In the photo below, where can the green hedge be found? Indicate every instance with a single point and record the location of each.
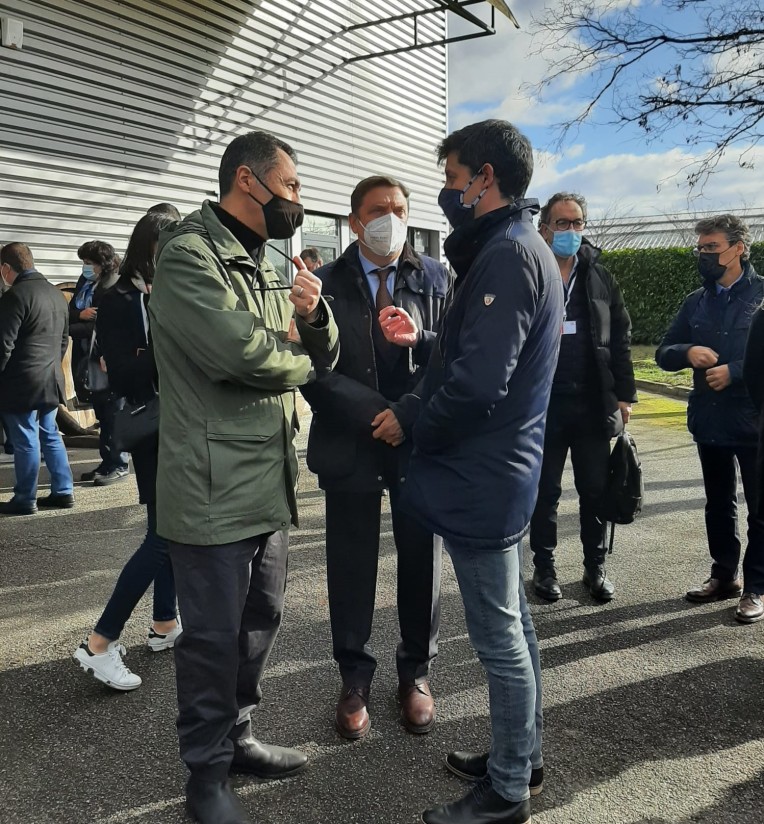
(655, 282)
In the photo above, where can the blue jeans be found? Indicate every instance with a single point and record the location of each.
(501, 631)
(32, 432)
(150, 562)
(105, 406)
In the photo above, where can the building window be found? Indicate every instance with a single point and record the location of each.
(279, 262)
(420, 239)
(323, 233)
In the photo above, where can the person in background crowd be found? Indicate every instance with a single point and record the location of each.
(709, 334)
(592, 393)
(357, 447)
(34, 337)
(232, 342)
(100, 271)
(311, 258)
(124, 340)
(164, 209)
(478, 444)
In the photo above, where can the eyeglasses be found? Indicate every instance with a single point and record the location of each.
(707, 248)
(563, 225)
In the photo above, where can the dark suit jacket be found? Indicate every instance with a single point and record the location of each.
(34, 335)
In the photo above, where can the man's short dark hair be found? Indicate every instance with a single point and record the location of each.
(496, 142)
(166, 209)
(375, 182)
(559, 198)
(310, 253)
(18, 256)
(258, 150)
(729, 225)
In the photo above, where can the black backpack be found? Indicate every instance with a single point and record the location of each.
(625, 488)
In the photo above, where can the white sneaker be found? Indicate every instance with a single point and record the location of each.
(157, 642)
(108, 666)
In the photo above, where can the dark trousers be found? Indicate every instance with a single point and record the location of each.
(231, 598)
(105, 406)
(150, 562)
(352, 554)
(720, 480)
(573, 423)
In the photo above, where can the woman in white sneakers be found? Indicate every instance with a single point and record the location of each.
(125, 342)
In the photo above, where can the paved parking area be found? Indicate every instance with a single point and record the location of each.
(654, 707)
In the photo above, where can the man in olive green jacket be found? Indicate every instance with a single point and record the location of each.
(232, 341)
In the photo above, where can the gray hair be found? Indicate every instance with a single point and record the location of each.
(731, 226)
(558, 198)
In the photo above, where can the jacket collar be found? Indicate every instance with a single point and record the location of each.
(463, 244)
(747, 278)
(227, 246)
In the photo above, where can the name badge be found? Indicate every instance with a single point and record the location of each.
(569, 327)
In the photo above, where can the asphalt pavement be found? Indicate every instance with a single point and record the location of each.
(654, 708)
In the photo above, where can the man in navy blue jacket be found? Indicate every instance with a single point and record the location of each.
(478, 445)
(709, 334)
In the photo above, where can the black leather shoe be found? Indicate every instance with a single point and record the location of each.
(266, 760)
(545, 584)
(473, 766)
(213, 802)
(14, 507)
(599, 587)
(481, 805)
(56, 501)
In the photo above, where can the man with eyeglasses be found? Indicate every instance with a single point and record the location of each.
(592, 394)
(709, 334)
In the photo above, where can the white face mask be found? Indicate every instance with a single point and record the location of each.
(385, 235)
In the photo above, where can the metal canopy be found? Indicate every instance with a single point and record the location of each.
(458, 7)
(302, 67)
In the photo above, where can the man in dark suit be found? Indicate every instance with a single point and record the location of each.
(358, 449)
(34, 334)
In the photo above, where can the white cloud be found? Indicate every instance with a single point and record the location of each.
(652, 183)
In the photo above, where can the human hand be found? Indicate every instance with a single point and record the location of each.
(293, 336)
(719, 377)
(89, 314)
(398, 326)
(701, 357)
(387, 428)
(306, 291)
(625, 408)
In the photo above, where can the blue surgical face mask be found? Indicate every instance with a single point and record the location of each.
(451, 202)
(566, 244)
(88, 272)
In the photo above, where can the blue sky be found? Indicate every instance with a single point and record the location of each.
(617, 169)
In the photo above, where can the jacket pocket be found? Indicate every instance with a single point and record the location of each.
(246, 465)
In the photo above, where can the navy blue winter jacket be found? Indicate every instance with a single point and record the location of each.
(479, 439)
(721, 322)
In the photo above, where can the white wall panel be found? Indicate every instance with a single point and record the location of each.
(112, 106)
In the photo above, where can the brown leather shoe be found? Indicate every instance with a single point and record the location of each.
(712, 589)
(352, 717)
(417, 707)
(750, 609)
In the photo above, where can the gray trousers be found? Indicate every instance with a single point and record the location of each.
(231, 598)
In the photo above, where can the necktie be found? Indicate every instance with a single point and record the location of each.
(384, 298)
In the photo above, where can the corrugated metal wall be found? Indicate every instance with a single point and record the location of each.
(113, 106)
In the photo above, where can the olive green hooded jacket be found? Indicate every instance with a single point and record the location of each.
(227, 465)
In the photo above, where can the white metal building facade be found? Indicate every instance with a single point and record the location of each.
(111, 106)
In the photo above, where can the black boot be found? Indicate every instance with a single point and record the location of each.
(545, 584)
(266, 760)
(474, 767)
(481, 805)
(600, 588)
(213, 802)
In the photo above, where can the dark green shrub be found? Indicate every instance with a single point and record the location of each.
(655, 282)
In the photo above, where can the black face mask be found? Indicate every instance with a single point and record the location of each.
(282, 217)
(709, 268)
